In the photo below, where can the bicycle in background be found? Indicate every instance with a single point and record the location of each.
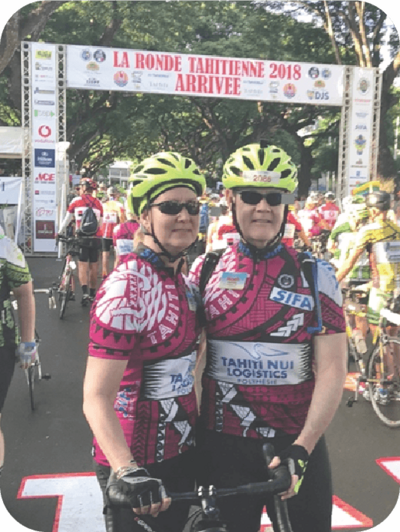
(66, 284)
(381, 373)
(33, 373)
(207, 517)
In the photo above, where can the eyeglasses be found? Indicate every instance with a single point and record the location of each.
(253, 198)
(175, 207)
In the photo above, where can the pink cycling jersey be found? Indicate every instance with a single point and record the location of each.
(259, 378)
(123, 237)
(146, 315)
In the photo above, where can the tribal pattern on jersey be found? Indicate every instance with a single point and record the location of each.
(147, 316)
(258, 380)
(14, 272)
(382, 240)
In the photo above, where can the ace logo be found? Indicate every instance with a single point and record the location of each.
(45, 178)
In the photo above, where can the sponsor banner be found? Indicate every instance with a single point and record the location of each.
(43, 65)
(44, 158)
(44, 139)
(91, 67)
(360, 130)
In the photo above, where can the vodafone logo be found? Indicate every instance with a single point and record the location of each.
(44, 131)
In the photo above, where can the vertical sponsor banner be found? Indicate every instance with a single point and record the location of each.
(360, 134)
(44, 138)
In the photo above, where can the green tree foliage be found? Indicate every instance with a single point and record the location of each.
(103, 126)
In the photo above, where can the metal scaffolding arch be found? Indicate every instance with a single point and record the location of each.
(27, 165)
(61, 137)
(344, 133)
(375, 125)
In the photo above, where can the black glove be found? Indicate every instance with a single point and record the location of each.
(135, 488)
(296, 458)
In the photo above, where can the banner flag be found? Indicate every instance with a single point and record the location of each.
(100, 68)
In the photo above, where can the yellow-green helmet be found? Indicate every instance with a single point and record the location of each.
(161, 172)
(260, 165)
(133, 181)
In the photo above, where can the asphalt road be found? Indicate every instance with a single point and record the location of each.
(48, 484)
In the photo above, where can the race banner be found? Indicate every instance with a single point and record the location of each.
(44, 139)
(116, 69)
(360, 128)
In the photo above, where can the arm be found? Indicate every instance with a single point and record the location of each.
(330, 373)
(101, 385)
(348, 264)
(68, 218)
(304, 238)
(330, 353)
(26, 311)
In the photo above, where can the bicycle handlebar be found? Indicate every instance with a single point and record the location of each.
(279, 482)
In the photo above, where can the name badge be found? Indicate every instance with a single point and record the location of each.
(191, 301)
(233, 280)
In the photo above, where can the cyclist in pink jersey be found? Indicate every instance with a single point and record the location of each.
(139, 397)
(275, 367)
(123, 236)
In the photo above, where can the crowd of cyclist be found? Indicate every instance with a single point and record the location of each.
(212, 334)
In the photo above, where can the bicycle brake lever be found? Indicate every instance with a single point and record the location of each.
(268, 453)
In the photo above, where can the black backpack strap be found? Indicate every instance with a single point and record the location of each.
(210, 263)
(309, 267)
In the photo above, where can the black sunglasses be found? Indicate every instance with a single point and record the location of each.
(174, 207)
(253, 198)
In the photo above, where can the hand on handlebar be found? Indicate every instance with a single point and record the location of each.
(26, 352)
(147, 495)
(295, 457)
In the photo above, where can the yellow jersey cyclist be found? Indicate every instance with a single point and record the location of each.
(381, 240)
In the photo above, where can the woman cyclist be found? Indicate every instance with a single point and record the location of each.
(139, 398)
(268, 375)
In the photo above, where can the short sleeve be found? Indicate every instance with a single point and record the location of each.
(195, 271)
(17, 271)
(330, 298)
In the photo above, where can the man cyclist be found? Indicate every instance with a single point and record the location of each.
(329, 211)
(381, 240)
(114, 214)
(14, 277)
(88, 245)
(276, 362)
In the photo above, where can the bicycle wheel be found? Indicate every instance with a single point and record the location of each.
(384, 383)
(65, 294)
(32, 375)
